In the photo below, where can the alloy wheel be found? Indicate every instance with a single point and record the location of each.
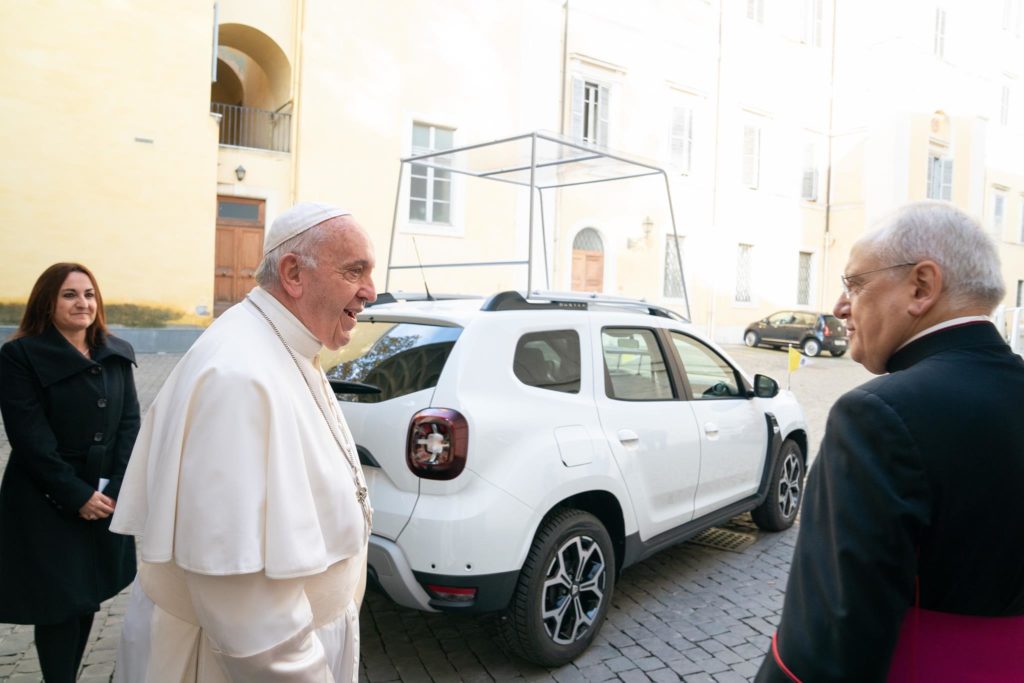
(573, 589)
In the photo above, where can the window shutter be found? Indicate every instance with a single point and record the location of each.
(603, 111)
(577, 109)
(947, 179)
(681, 137)
(751, 152)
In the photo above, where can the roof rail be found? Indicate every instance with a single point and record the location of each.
(514, 301)
(392, 297)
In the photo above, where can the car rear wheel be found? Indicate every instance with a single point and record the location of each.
(751, 338)
(785, 490)
(811, 347)
(564, 590)
(838, 352)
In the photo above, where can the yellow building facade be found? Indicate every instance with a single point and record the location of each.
(156, 141)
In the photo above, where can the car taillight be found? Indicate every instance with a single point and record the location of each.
(437, 445)
(453, 593)
(828, 332)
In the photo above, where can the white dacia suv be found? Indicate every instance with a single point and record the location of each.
(520, 452)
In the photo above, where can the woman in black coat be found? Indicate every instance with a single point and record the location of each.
(70, 411)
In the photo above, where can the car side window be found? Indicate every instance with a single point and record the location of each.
(807, 319)
(549, 360)
(783, 318)
(707, 372)
(634, 366)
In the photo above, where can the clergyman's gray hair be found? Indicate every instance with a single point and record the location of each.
(940, 232)
(305, 245)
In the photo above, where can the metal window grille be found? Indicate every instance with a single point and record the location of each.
(254, 128)
(998, 213)
(673, 286)
(588, 239)
(803, 281)
(744, 258)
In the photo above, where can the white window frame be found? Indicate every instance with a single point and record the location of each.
(939, 185)
(1020, 236)
(999, 197)
(755, 11)
(456, 225)
(591, 110)
(431, 179)
(809, 176)
(680, 138)
(939, 39)
(750, 171)
(813, 22)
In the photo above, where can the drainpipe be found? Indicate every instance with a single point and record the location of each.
(300, 21)
(714, 169)
(828, 165)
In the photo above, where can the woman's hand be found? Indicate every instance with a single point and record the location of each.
(97, 507)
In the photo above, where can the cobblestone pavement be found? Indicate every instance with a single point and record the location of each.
(691, 613)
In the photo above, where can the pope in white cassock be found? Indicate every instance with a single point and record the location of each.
(245, 486)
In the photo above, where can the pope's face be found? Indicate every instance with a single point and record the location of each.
(75, 309)
(875, 310)
(337, 289)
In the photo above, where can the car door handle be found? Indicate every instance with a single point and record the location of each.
(711, 429)
(628, 437)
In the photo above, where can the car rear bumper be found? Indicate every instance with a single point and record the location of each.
(390, 569)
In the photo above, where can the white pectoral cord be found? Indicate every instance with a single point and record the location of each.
(361, 491)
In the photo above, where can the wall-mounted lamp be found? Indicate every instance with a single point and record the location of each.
(647, 225)
(240, 173)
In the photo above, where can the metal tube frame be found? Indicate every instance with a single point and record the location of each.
(591, 154)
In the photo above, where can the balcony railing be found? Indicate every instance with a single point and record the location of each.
(256, 128)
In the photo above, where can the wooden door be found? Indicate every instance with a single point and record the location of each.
(238, 250)
(587, 270)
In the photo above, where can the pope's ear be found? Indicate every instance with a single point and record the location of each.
(288, 270)
(926, 279)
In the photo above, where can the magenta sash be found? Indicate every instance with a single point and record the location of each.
(940, 646)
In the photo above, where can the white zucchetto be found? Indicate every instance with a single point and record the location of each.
(298, 220)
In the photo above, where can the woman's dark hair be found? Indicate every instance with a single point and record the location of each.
(42, 303)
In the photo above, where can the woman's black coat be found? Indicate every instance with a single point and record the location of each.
(70, 421)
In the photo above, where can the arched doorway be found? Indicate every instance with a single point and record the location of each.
(587, 261)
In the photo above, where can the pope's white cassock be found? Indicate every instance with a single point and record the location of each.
(253, 544)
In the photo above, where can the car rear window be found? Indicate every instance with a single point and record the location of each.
(834, 324)
(549, 360)
(397, 358)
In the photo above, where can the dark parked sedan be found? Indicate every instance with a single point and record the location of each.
(811, 332)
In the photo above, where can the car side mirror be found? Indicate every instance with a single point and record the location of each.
(765, 386)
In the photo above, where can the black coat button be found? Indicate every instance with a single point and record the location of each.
(102, 403)
(95, 369)
(98, 436)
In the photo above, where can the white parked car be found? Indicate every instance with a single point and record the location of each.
(521, 453)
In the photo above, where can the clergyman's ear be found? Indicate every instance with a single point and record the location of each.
(926, 278)
(288, 269)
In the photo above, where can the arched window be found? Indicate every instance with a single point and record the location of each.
(587, 261)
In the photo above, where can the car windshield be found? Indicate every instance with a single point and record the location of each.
(397, 358)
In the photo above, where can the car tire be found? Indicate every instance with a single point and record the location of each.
(838, 352)
(811, 347)
(785, 490)
(751, 339)
(564, 590)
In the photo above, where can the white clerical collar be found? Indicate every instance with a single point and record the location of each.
(947, 323)
(294, 332)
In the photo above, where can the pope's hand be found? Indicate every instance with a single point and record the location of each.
(97, 507)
